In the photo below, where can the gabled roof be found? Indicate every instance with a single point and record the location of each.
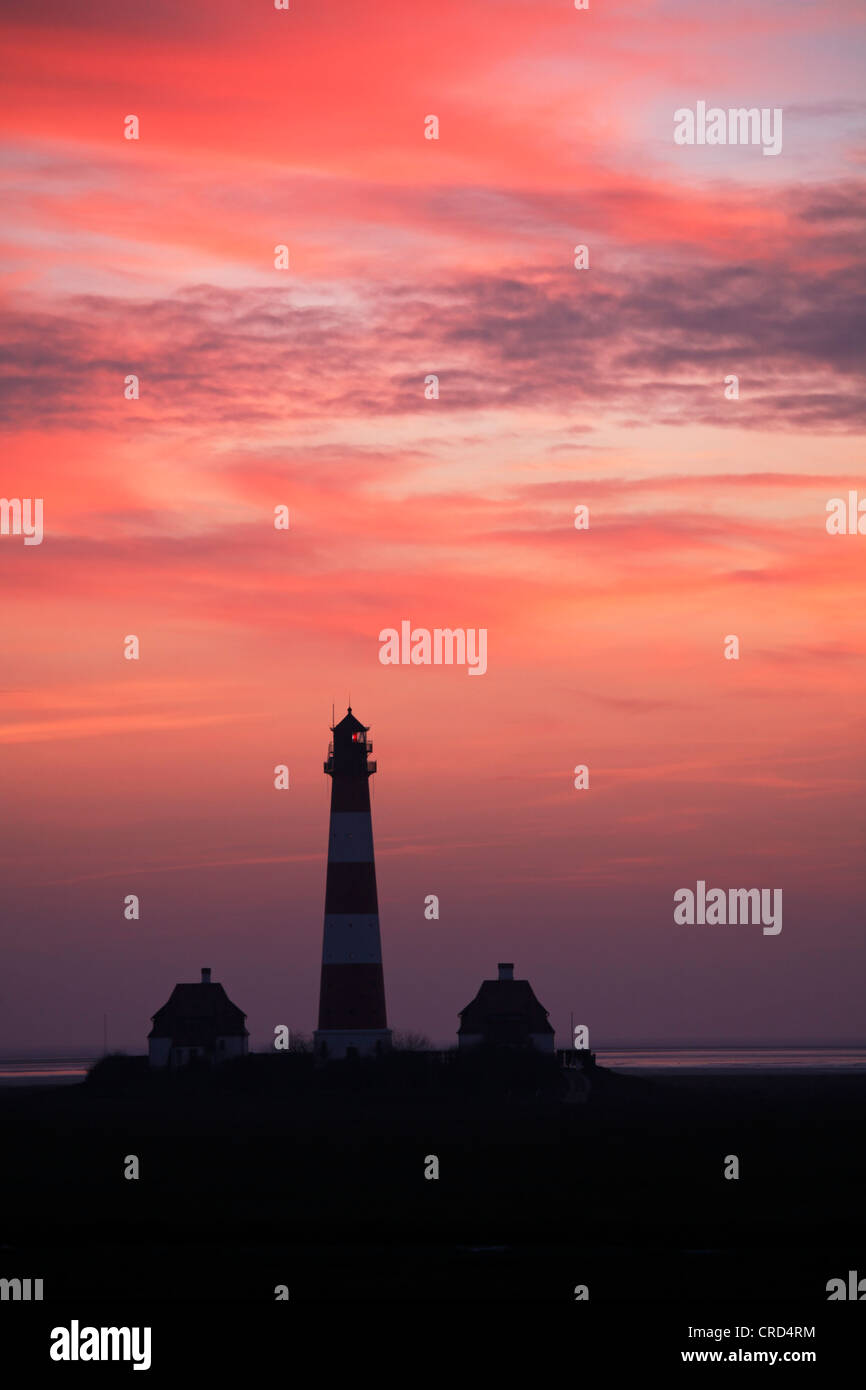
(196, 1015)
(504, 1002)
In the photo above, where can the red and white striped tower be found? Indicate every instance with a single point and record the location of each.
(352, 996)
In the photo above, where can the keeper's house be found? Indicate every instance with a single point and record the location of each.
(199, 1022)
(505, 1013)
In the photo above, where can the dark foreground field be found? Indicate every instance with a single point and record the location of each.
(275, 1174)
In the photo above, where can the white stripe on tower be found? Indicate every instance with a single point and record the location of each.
(351, 838)
(350, 937)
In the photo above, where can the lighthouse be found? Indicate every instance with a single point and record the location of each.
(352, 994)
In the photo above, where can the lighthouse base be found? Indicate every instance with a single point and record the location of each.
(336, 1043)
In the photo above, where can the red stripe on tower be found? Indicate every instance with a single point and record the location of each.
(352, 995)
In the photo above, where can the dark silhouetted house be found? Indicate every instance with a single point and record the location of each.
(505, 1013)
(198, 1022)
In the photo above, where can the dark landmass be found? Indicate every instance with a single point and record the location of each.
(271, 1170)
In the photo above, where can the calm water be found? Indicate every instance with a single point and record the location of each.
(67, 1071)
(734, 1059)
(46, 1070)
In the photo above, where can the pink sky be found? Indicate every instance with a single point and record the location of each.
(558, 387)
